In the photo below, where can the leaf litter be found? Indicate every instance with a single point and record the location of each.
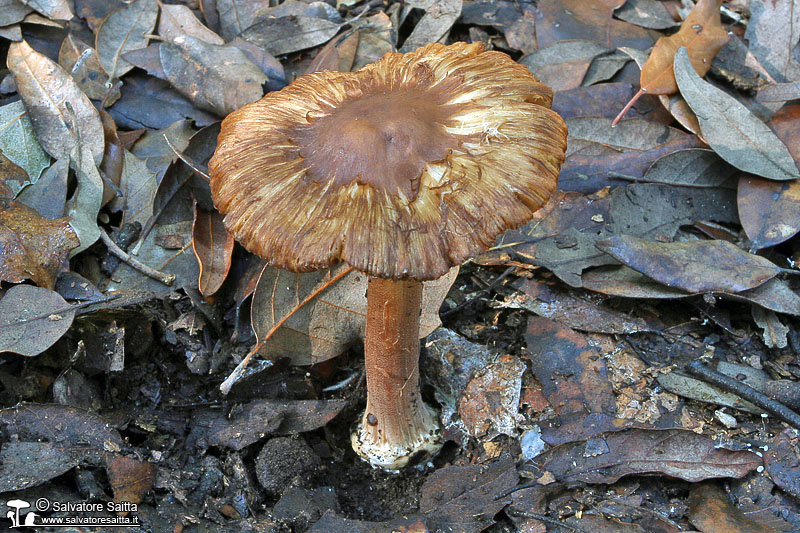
(561, 351)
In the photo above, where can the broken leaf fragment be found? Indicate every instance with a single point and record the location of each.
(31, 246)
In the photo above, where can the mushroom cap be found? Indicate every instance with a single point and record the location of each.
(402, 169)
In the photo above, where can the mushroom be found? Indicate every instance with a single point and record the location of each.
(401, 169)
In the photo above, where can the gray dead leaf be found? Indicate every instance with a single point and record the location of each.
(490, 402)
(32, 319)
(285, 35)
(594, 135)
(693, 266)
(124, 30)
(12, 11)
(49, 194)
(773, 33)
(604, 67)
(773, 330)
(331, 322)
(695, 166)
(61, 115)
(779, 92)
(19, 145)
(235, 16)
(86, 201)
(54, 9)
(689, 387)
(180, 20)
(219, 79)
(28, 464)
(625, 282)
(563, 65)
(81, 61)
(138, 185)
(434, 25)
(731, 129)
(646, 13)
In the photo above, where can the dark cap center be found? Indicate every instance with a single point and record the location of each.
(381, 139)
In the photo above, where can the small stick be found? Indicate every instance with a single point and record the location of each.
(773, 407)
(234, 376)
(627, 108)
(166, 279)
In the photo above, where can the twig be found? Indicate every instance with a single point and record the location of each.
(773, 407)
(480, 293)
(189, 162)
(234, 376)
(546, 520)
(166, 279)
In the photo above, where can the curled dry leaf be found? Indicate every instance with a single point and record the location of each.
(693, 266)
(737, 135)
(213, 246)
(31, 246)
(125, 29)
(769, 210)
(32, 319)
(61, 114)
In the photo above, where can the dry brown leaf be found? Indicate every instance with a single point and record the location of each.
(213, 246)
(769, 210)
(130, 478)
(31, 246)
(711, 511)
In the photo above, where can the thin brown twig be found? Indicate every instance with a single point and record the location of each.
(166, 279)
(234, 376)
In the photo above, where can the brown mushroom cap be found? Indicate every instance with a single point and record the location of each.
(401, 169)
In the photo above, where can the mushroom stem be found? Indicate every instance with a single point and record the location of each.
(396, 425)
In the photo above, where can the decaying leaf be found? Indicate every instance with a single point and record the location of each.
(54, 9)
(219, 79)
(773, 33)
(179, 20)
(435, 23)
(82, 62)
(490, 401)
(646, 13)
(769, 210)
(18, 144)
(125, 29)
(327, 326)
(31, 246)
(32, 319)
(701, 34)
(563, 65)
(710, 509)
(213, 246)
(692, 266)
(731, 129)
(773, 330)
(62, 116)
(289, 34)
(675, 453)
(129, 478)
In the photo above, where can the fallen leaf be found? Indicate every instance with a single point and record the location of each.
(434, 25)
(180, 20)
(573, 375)
(600, 100)
(490, 401)
(677, 453)
(49, 194)
(29, 464)
(129, 478)
(625, 282)
(711, 511)
(19, 145)
(138, 185)
(235, 16)
(773, 33)
(702, 35)
(466, 498)
(54, 9)
(646, 13)
(592, 20)
(32, 319)
(692, 266)
(769, 210)
(773, 330)
(219, 79)
(563, 65)
(85, 203)
(731, 129)
(125, 29)
(782, 464)
(62, 116)
(696, 166)
(335, 319)
(339, 54)
(253, 421)
(213, 246)
(331, 523)
(12, 11)
(285, 35)
(81, 61)
(31, 246)
(779, 92)
(604, 67)
(689, 387)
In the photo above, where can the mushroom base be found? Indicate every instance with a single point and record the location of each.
(391, 457)
(397, 425)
